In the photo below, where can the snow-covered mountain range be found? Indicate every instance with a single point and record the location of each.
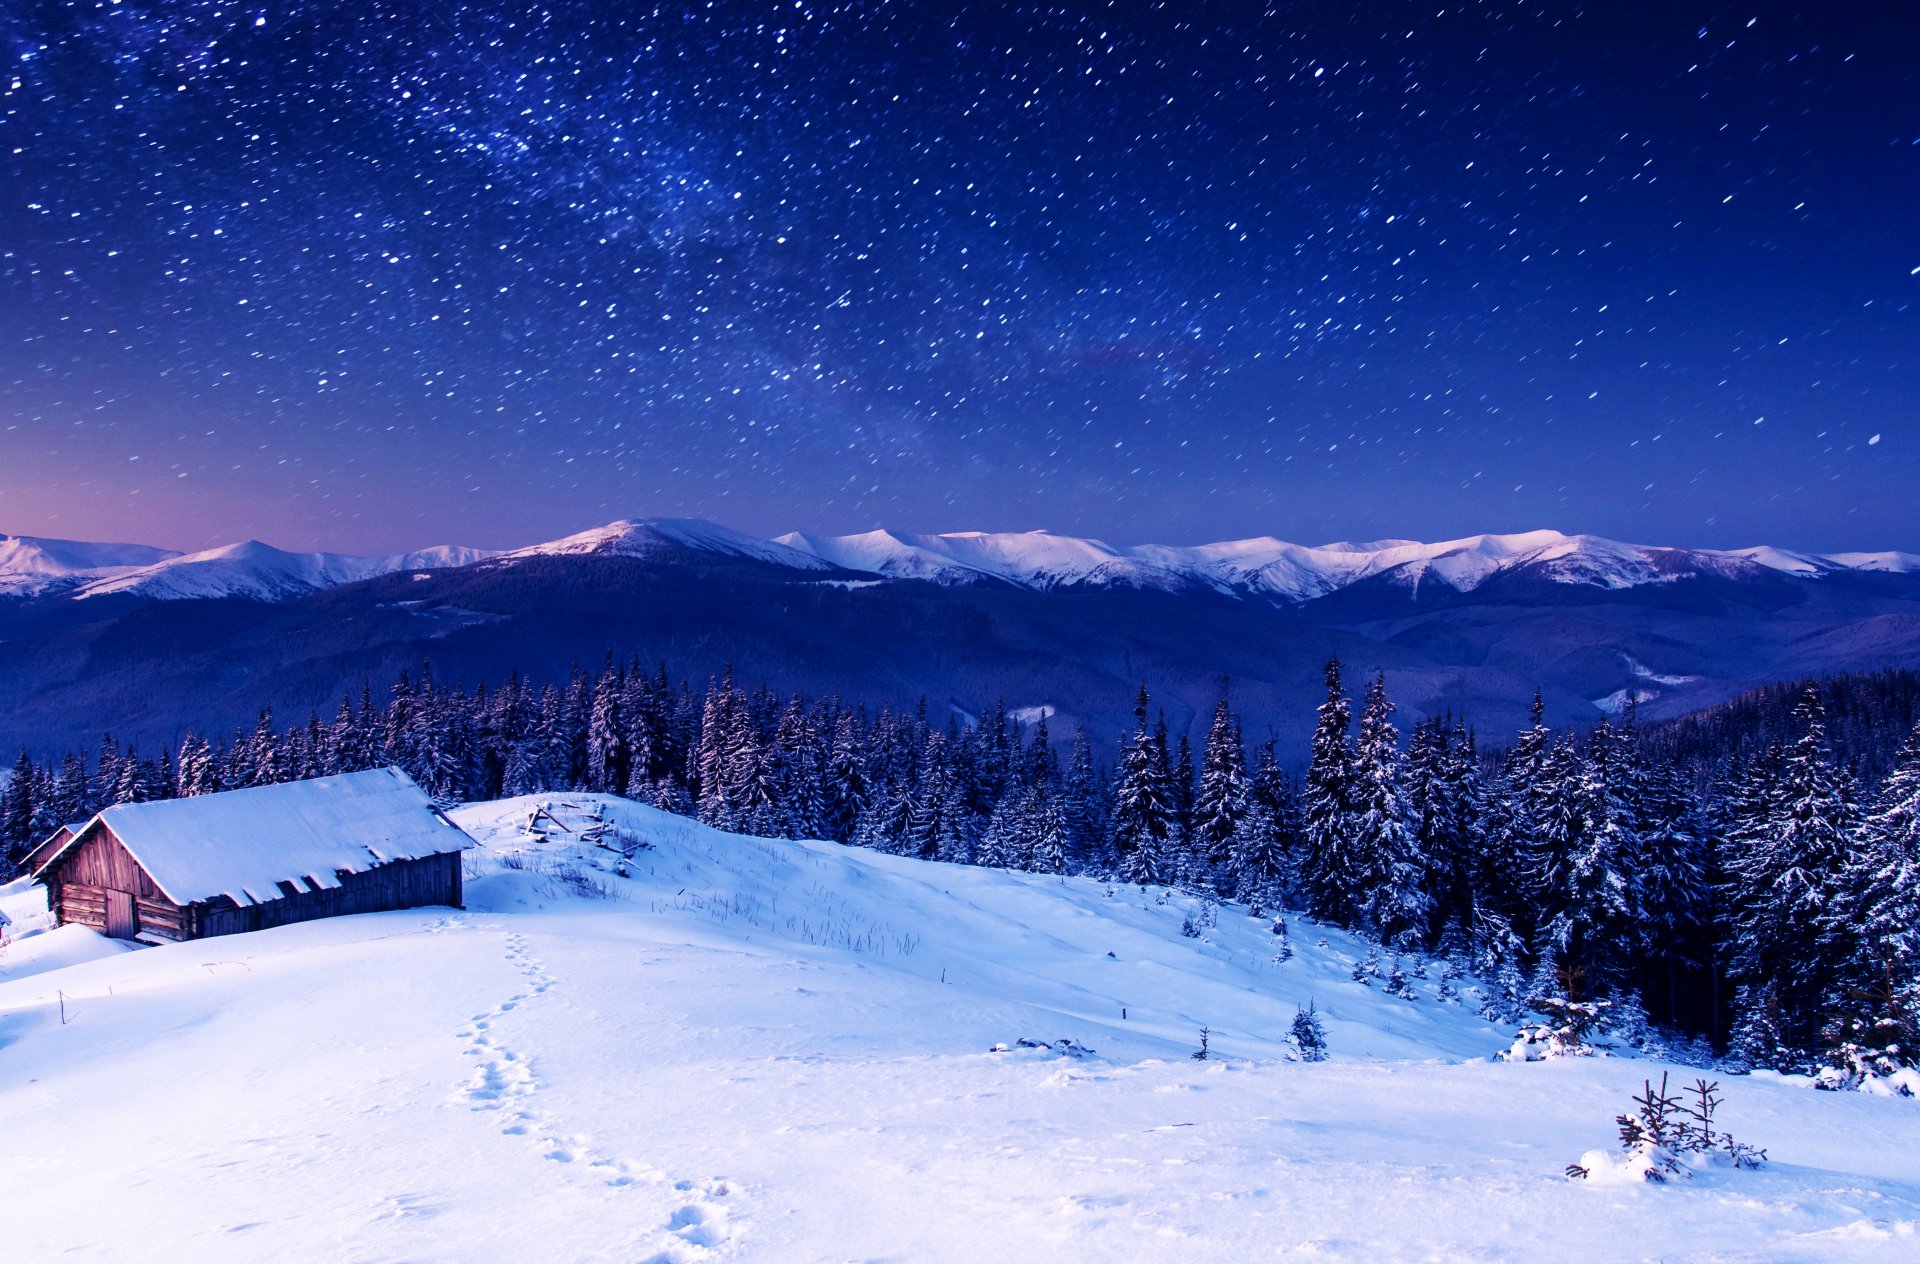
(31, 567)
(1259, 568)
(1277, 569)
(139, 641)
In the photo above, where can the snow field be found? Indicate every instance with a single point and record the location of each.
(756, 1050)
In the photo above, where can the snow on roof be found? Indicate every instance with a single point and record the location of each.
(243, 843)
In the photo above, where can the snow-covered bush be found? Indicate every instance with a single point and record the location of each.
(1870, 1057)
(1367, 969)
(1066, 1047)
(1397, 984)
(1566, 1031)
(1664, 1136)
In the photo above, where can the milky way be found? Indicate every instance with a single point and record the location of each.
(370, 275)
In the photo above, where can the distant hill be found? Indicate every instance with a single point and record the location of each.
(1868, 716)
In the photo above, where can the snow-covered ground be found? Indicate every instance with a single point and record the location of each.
(756, 1050)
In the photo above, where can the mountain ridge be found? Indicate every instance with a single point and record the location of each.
(1259, 567)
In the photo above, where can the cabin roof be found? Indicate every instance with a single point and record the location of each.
(244, 843)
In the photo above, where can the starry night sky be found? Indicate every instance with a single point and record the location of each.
(369, 276)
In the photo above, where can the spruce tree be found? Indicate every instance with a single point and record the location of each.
(1874, 931)
(1387, 870)
(1221, 799)
(17, 803)
(1787, 881)
(1143, 807)
(1327, 871)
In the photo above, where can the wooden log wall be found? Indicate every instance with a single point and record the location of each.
(87, 906)
(77, 887)
(402, 884)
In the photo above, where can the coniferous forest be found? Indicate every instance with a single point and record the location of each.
(1731, 876)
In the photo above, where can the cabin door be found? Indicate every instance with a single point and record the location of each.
(122, 922)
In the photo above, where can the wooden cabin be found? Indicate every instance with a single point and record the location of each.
(218, 864)
(44, 849)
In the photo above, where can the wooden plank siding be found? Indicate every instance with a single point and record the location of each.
(402, 884)
(44, 852)
(101, 861)
(77, 887)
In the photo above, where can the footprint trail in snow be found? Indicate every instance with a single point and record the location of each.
(504, 1081)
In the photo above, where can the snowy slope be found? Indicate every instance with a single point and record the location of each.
(261, 572)
(773, 1051)
(30, 565)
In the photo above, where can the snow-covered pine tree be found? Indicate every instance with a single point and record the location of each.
(1759, 1039)
(607, 753)
(1875, 932)
(1883, 882)
(106, 773)
(1458, 832)
(1051, 849)
(1308, 1035)
(17, 803)
(1082, 808)
(1423, 781)
(1257, 863)
(69, 802)
(1007, 842)
(1142, 808)
(136, 784)
(1181, 784)
(1787, 880)
(640, 711)
(196, 771)
(1503, 868)
(1601, 897)
(1042, 769)
(799, 798)
(45, 786)
(846, 788)
(1221, 798)
(1326, 869)
(1388, 871)
(1673, 883)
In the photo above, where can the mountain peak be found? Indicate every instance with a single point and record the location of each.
(653, 537)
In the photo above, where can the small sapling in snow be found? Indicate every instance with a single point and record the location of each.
(1308, 1037)
(1666, 1136)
